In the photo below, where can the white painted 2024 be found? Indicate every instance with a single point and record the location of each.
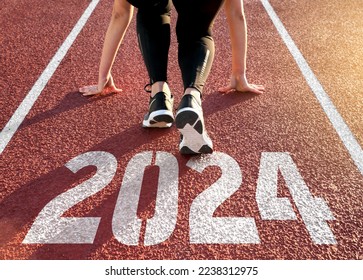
(51, 228)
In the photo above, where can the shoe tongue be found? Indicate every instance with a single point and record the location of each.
(160, 93)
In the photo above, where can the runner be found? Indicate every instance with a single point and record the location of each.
(195, 55)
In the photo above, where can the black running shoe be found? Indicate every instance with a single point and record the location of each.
(190, 122)
(160, 111)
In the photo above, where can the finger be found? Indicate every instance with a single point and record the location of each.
(117, 90)
(82, 89)
(88, 88)
(111, 90)
(91, 92)
(260, 87)
(226, 89)
(257, 90)
(250, 88)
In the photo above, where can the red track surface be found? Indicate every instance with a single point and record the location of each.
(287, 118)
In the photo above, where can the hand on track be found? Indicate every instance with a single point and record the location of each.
(239, 83)
(106, 88)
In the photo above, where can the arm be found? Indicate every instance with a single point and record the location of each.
(238, 36)
(120, 19)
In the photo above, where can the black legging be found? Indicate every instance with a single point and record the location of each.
(194, 34)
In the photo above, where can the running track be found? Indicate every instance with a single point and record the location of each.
(285, 181)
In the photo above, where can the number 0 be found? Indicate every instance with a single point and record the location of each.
(125, 224)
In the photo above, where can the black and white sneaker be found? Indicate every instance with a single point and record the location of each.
(190, 122)
(160, 111)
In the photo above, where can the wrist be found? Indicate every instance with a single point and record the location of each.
(103, 80)
(239, 73)
(238, 69)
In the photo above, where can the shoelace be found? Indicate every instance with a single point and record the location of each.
(147, 88)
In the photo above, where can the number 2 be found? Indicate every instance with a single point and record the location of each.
(49, 227)
(204, 228)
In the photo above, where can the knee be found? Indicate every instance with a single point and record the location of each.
(121, 11)
(116, 15)
(154, 14)
(188, 35)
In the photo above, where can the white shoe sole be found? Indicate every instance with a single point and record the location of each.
(159, 119)
(195, 138)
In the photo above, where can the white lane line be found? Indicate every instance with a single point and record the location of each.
(335, 118)
(21, 112)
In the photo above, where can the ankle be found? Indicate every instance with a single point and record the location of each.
(195, 93)
(158, 87)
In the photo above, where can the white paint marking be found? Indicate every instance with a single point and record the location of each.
(160, 227)
(18, 117)
(51, 228)
(204, 227)
(126, 225)
(272, 206)
(313, 210)
(335, 118)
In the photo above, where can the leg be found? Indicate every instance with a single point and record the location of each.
(196, 53)
(196, 45)
(153, 29)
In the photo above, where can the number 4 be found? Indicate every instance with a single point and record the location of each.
(313, 211)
